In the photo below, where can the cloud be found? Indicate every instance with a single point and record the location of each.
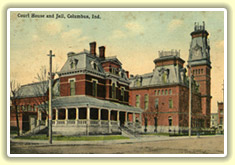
(118, 34)
(71, 34)
(53, 27)
(134, 27)
(174, 24)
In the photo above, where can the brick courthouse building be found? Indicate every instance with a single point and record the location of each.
(95, 95)
(164, 93)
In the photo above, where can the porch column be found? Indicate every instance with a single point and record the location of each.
(39, 117)
(118, 122)
(88, 119)
(66, 115)
(56, 115)
(140, 118)
(109, 114)
(99, 116)
(77, 115)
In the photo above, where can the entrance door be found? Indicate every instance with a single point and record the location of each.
(32, 122)
(122, 118)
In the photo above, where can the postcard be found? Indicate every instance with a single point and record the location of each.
(117, 82)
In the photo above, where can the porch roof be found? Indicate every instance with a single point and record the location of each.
(84, 101)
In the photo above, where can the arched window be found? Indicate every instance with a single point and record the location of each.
(146, 101)
(170, 121)
(170, 92)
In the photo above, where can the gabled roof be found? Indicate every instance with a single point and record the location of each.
(36, 89)
(33, 90)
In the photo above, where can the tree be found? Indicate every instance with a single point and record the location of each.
(41, 90)
(14, 89)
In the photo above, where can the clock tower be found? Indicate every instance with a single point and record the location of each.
(199, 61)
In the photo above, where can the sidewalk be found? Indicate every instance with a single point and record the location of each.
(151, 138)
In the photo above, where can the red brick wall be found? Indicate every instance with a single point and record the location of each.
(169, 62)
(179, 112)
(202, 75)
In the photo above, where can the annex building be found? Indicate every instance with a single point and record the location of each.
(93, 94)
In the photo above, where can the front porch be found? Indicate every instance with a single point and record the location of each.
(86, 120)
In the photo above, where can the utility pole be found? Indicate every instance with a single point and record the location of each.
(223, 90)
(190, 101)
(50, 98)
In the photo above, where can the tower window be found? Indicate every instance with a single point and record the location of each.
(159, 92)
(163, 92)
(155, 92)
(170, 103)
(156, 103)
(170, 92)
(166, 92)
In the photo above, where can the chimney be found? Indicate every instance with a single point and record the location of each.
(102, 51)
(127, 74)
(93, 48)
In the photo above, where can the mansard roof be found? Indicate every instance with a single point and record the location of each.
(84, 101)
(166, 74)
(83, 61)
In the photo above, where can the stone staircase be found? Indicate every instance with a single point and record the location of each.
(128, 132)
(37, 130)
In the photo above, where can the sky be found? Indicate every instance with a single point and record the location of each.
(134, 37)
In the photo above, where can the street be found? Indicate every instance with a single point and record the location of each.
(194, 145)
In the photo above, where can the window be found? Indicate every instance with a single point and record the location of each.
(166, 92)
(156, 103)
(22, 108)
(146, 101)
(163, 92)
(221, 111)
(198, 71)
(170, 121)
(122, 93)
(159, 92)
(29, 108)
(34, 108)
(170, 103)
(221, 121)
(155, 92)
(72, 65)
(94, 88)
(72, 87)
(137, 100)
(201, 71)
(113, 91)
(170, 92)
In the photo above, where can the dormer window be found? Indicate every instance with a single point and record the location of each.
(73, 63)
(94, 65)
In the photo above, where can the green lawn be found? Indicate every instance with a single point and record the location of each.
(74, 138)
